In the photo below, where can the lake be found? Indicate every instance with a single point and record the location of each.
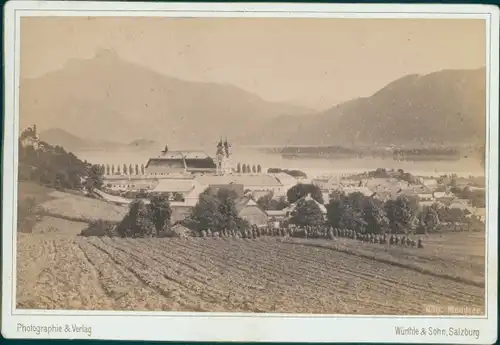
(311, 166)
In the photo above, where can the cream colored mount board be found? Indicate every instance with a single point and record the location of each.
(250, 172)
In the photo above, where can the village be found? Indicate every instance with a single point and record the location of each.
(183, 175)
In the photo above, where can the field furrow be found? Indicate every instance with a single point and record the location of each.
(239, 275)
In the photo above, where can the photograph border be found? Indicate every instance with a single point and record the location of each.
(14, 10)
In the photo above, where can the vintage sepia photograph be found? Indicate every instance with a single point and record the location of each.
(253, 165)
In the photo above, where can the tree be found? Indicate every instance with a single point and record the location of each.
(160, 213)
(138, 221)
(216, 211)
(259, 169)
(124, 169)
(279, 204)
(400, 214)
(300, 190)
(379, 173)
(244, 169)
(265, 201)
(137, 169)
(307, 212)
(352, 212)
(118, 169)
(112, 169)
(238, 168)
(429, 220)
(178, 197)
(205, 215)
(248, 168)
(333, 212)
(227, 208)
(94, 178)
(130, 169)
(254, 169)
(108, 170)
(142, 169)
(375, 216)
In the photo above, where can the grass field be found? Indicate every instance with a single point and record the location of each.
(263, 275)
(457, 256)
(69, 206)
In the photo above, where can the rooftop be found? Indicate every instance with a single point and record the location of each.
(308, 197)
(285, 178)
(244, 179)
(244, 202)
(183, 159)
(172, 186)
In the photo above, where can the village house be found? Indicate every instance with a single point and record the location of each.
(463, 205)
(426, 196)
(253, 182)
(184, 187)
(441, 195)
(128, 183)
(289, 210)
(326, 183)
(250, 211)
(246, 208)
(363, 190)
(430, 183)
(180, 211)
(239, 189)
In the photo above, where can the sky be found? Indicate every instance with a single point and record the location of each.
(315, 63)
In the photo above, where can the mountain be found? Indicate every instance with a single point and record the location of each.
(445, 107)
(106, 97)
(71, 142)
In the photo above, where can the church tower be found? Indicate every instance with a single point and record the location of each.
(223, 157)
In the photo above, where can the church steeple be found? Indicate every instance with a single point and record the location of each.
(223, 153)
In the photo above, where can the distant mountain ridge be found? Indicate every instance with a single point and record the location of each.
(71, 142)
(445, 107)
(109, 98)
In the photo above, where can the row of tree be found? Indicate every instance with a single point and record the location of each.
(111, 169)
(246, 169)
(215, 210)
(364, 214)
(361, 213)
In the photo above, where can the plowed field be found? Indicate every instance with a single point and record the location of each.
(195, 274)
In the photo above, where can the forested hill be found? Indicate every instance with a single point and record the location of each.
(54, 167)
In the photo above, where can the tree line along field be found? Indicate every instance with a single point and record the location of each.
(238, 275)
